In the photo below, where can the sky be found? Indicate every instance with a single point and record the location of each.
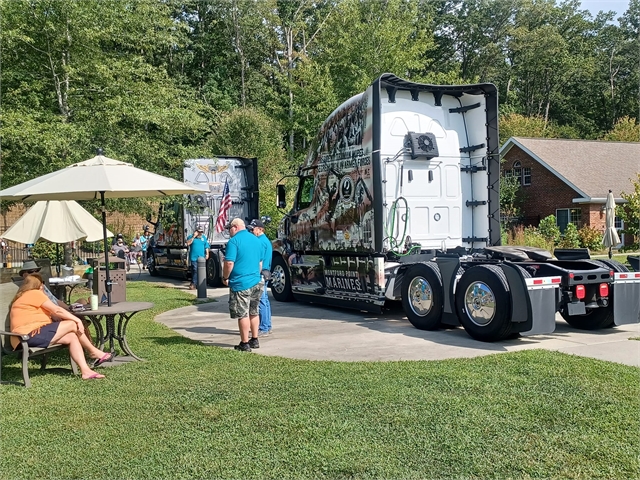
(594, 6)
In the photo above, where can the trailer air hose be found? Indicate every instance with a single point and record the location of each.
(394, 242)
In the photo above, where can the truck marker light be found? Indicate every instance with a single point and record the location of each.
(580, 292)
(571, 275)
(556, 280)
(624, 275)
(538, 282)
(604, 290)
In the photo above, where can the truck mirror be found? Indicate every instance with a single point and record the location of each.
(281, 196)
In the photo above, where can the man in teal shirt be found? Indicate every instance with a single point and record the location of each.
(198, 247)
(241, 271)
(257, 228)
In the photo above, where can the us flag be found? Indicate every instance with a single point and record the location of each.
(225, 206)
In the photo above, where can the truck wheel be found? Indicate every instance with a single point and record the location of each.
(280, 281)
(594, 319)
(614, 265)
(597, 318)
(214, 279)
(482, 303)
(422, 296)
(151, 266)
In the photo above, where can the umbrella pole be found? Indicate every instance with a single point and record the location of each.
(58, 259)
(107, 280)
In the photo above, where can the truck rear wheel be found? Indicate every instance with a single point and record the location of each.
(422, 296)
(597, 318)
(214, 279)
(151, 266)
(483, 303)
(280, 280)
(594, 319)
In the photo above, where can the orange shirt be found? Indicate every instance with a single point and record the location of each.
(27, 314)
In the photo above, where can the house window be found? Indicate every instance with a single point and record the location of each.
(565, 216)
(523, 174)
(618, 223)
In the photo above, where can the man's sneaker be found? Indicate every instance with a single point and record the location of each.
(243, 347)
(254, 343)
(262, 334)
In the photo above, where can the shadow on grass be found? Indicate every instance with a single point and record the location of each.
(174, 340)
(12, 375)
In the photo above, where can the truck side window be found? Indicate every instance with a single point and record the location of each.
(306, 192)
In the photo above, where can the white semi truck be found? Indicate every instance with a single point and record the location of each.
(168, 254)
(398, 200)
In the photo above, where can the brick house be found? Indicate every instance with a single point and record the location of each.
(570, 178)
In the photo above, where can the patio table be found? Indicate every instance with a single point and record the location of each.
(116, 318)
(59, 289)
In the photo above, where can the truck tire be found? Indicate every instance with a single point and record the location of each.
(483, 303)
(594, 319)
(614, 265)
(214, 277)
(151, 266)
(422, 296)
(597, 318)
(280, 280)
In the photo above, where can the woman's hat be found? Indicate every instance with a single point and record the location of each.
(29, 265)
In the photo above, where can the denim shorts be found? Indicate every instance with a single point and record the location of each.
(245, 302)
(44, 337)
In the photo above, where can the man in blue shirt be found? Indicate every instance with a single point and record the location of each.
(241, 271)
(198, 247)
(144, 243)
(257, 228)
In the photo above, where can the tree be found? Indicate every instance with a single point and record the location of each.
(630, 213)
(260, 139)
(363, 40)
(625, 130)
(82, 75)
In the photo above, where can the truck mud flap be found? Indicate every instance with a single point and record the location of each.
(626, 298)
(543, 296)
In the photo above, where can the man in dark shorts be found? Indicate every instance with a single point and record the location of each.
(241, 271)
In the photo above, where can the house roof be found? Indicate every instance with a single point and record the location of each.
(590, 167)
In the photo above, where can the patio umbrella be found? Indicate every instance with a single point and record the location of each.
(610, 238)
(99, 177)
(58, 221)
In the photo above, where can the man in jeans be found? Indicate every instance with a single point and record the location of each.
(241, 271)
(257, 228)
(198, 247)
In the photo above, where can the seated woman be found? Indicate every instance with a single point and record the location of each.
(31, 314)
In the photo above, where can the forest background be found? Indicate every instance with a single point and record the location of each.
(155, 82)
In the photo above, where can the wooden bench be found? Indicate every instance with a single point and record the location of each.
(7, 292)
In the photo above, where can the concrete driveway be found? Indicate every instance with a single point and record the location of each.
(305, 331)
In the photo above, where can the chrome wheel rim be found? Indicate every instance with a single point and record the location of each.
(278, 279)
(480, 303)
(420, 296)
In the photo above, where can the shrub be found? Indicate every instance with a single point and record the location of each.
(528, 236)
(590, 238)
(549, 230)
(571, 238)
(46, 249)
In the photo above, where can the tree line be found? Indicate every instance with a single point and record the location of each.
(157, 81)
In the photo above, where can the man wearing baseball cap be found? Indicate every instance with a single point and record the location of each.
(198, 247)
(257, 228)
(241, 271)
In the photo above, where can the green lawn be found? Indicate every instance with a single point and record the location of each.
(196, 411)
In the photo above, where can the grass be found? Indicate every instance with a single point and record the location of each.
(192, 411)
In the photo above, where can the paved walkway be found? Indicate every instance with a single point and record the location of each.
(305, 331)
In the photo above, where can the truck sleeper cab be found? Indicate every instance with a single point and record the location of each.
(398, 199)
